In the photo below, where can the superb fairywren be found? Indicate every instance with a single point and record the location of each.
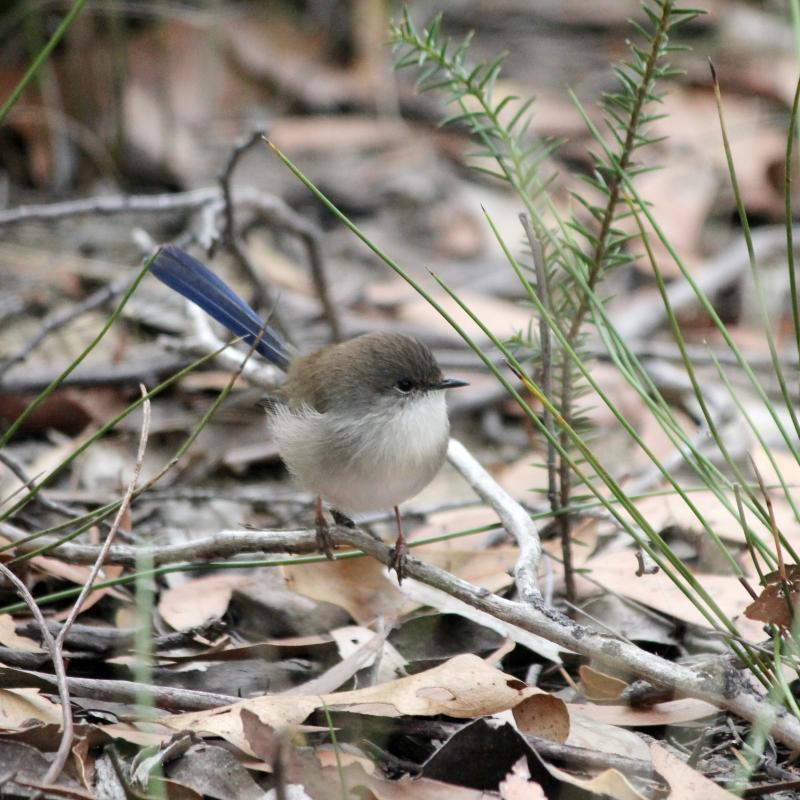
(362, 424)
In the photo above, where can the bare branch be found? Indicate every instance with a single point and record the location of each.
(516, 520)
(58, 667)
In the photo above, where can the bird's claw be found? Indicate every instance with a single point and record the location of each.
(324, 541)
(398, 563)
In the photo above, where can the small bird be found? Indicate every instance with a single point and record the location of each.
(361, 424)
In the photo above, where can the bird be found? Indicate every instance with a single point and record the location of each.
(360, 424)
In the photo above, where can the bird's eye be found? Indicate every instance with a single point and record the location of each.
(404, 385)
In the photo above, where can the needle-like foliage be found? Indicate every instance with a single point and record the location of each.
(578, 252)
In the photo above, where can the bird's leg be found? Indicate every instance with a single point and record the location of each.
(399, 555)
(323, 532)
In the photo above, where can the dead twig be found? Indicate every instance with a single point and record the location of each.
(60, 679)
(727, 692)
(60, 320)
(19, 471)
(230, 239)
(65, 746)
(209, 202)
(516, 520)
(169, 698)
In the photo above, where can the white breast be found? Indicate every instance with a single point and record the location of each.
(365, 462)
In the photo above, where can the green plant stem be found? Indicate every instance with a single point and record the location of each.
(40, 59)
(787, 194)
(754, 268)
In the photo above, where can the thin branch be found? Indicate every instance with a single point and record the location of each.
(65, 746)
(123, 509)
(60, 320)
(169, 698)
(209, 201)
(19, 471)
(60, 679)
(516, 520)
(229, 237)
(729, 691)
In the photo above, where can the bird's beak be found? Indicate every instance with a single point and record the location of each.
(449, 383)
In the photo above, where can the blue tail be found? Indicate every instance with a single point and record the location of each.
(196, 282)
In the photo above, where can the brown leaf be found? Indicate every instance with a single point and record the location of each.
(610, 783)
(778, 600)
(465, 687)
(673, 712)
(262, 738)
(10, 638)
(684, 782)
(195, 602)
(598, 686)
(543, 715)
(615, 570)
(359, 585)
(19, 708)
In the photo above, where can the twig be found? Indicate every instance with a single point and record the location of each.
(103, 640)
(149, 370)
(228, 236)
(257, 371)
(112, 204)
(210, 203)
(60, 678)
(65, 746)
(60, 320)
(224, 544)
(169, 698)
(19, 471)
(728, 692)
(554, 496)
(123, 509)
(515, 518)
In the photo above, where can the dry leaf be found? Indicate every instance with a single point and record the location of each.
(668, 510)
(673, 712)
(352, 637)
(197, 601)
(598, 686)
(463, 687)
(615, 570)
(540, 715)
(778, 599)
(359, 585)
(684, 782)
(10, 638)
(609, 783)
(19, 708)
(599, 736)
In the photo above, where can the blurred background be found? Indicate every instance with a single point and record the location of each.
(148, 99)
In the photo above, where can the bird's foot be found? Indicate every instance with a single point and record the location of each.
(324, 541)
(398, 563)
